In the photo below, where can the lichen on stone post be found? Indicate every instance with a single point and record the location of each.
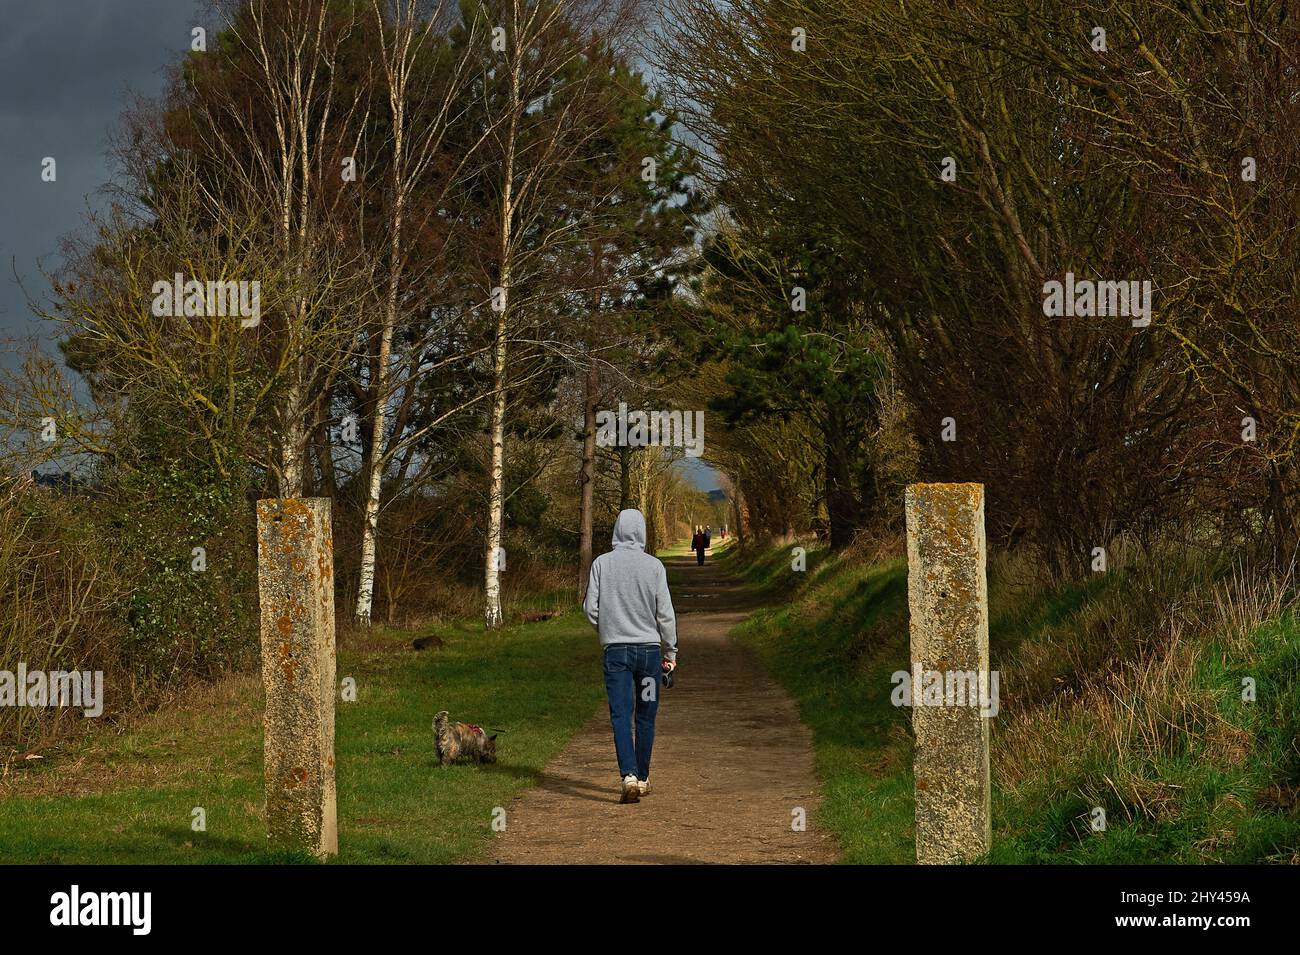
(295, 573)
(947, 596)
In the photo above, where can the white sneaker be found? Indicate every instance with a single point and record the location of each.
(631, 789)
(644, 786)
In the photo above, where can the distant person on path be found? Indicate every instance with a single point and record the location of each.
(629, 604)
(698, 544)
(708, 536)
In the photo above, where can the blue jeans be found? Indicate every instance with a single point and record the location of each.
(632, 673)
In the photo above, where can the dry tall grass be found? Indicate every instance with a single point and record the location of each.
(1119, 687)
(60, 601)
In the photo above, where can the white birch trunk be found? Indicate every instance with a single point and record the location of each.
(492, 613)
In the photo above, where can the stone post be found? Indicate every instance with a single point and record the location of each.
(947, 597)
(295, 574)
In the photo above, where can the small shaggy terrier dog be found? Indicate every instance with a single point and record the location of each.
(456, 740)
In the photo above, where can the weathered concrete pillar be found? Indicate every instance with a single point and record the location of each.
(295, 573)
(947, 596)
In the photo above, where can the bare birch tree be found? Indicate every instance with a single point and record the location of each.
(535, 101)
(404, 36)
(273, 118)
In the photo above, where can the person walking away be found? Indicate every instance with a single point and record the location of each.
(698, 545)
(629, 604)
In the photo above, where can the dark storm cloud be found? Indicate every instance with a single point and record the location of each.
(65, 69)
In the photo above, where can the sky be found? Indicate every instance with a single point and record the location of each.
(699, 472)
(66, 67)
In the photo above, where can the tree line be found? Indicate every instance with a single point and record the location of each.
(918, 173)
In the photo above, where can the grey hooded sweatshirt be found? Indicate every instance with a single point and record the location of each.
(627, 595)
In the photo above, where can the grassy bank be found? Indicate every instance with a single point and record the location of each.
(1123, 692)
(126, 793)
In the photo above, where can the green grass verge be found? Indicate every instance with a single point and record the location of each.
(770, 572)
(811, 645)
(126, 794)
(1097, 710)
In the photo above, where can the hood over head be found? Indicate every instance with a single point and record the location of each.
(629, 529)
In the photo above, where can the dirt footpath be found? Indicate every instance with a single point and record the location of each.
(731, 762)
